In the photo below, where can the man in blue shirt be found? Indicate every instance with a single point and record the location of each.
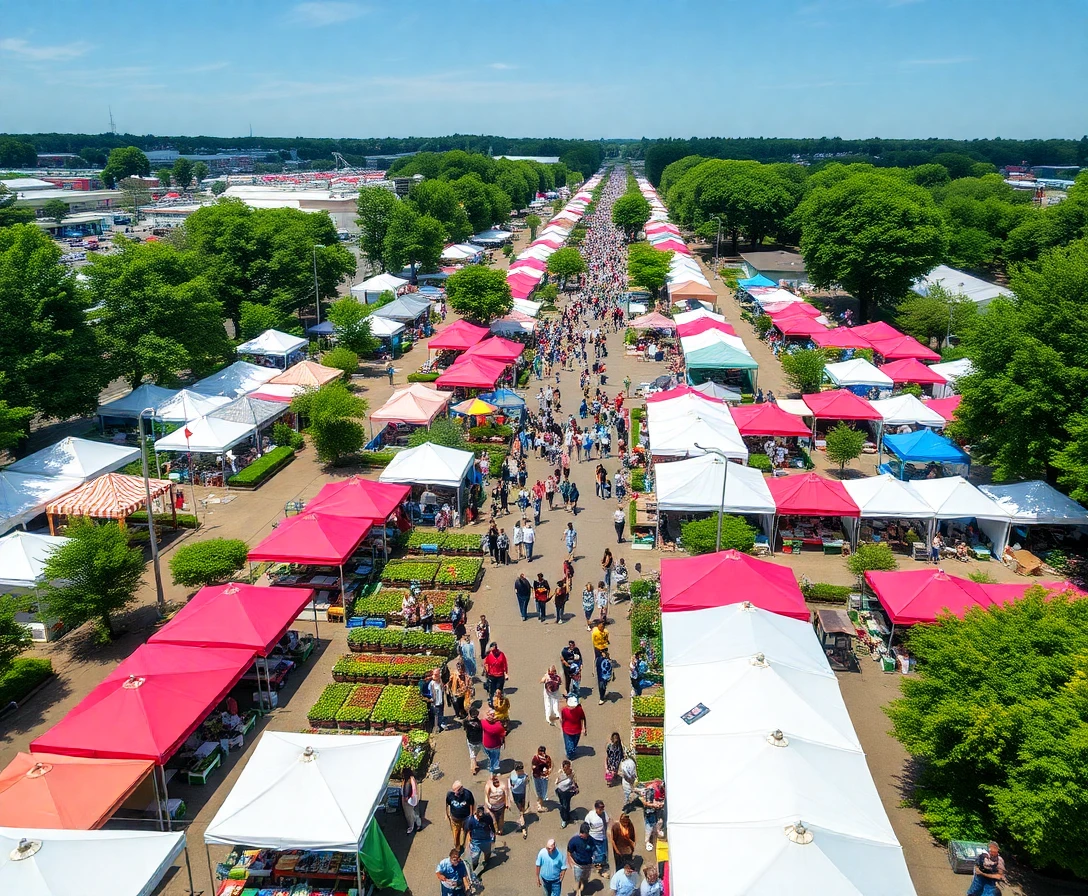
(481, 835)
(451, 874)
(624, 882)
(580, 857)
(551, 865)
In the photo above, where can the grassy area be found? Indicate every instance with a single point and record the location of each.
(25, 674)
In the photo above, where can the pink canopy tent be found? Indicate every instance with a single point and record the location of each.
(840, 337)
(249, 617)
(840, 404)
(521, 291)
(416, 404)
(807, 494)
(878, 330)
(946, 407)
(768, 420)
(457, 337)
(672, 246)
(535, 263)
(797, 325)
(903, 347)
(1006, 592)
(307, 373)
(496, 348)
(521, 285)
(678, 392)
(472, 373)
(911, 370)
(661, 227)
(359, 498)
(919, 595)
(149, 704)
(696, 583)
(550, 241)
(652, 321)
(312, 539)
(702, 324)
(796, 308)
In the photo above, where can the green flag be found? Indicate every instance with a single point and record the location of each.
(381, 865)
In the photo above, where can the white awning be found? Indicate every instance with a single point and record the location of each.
(677, 425)
(695, 485)
(23, 556)
(1037, 502)
(274, 344)
(237, 379)
(429, 464)
(76, 458)
(207, 435)
(906, 409)
(857, 372)
(139, 399)
(886, 497)
(189, 405)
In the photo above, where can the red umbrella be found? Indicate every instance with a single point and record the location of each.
(920, 595)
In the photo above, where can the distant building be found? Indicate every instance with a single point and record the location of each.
(237, 162)
(544, 160)
(56, 159)
(980, 291)
(342, 207)
(776, 265)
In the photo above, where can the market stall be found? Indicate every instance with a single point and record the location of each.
(438, 475)
(951, 371)
(473, 373)
(769, 429)
(497, 349)
(811, 511)
(371, 290)
(114, 496)
(695, 583)
(457, 337)
(1042, 518)
(331, 787)
(843, 338)
(683, 426)
(835, 405)
(188, 405)
(380, 502)
(891, 513)
(407, 408)
(859, 377)
(717, 391)
(911, 370)
(923, 455)
(23, 558)
(23, 496)
(239, 378)
(274, 349)
(207, 444)
(702, 324)
(902, 412)
(962, 513)
(131, 406)
(295, 380)
(74, 458)
(713, 354)
(946, 407)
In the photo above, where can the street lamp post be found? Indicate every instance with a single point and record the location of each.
(317, 291)
(151, 515)
(717, 241)
(725, 478)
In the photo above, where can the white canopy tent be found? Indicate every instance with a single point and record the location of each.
(89, 863)
(525, 306)
(1036, 503)
(23, 556)
(370, 290)
(208, 435)
(951, 371)
(686, 316)
(857, 372)
(959, 283)
(237, 379)
(539, 252)
(954, 498)
(489, 237)
(253, 412)
(188, 405)
(273, 344)
(795, 406)
(429, 464)
(23, 496)
(523, 270)
(884, 497)
(906, 410)
(677, 425)
(133, 404)
(76, 458)
(712, 337)
(694, 485)
(718, 391)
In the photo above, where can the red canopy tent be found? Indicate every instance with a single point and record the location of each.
(840, 404)
(458, 336)
(841, 337)
(359, 498)
(878, 330)
(797, 308)
(472, 373)
(1004, 592)
(903, 347)
(702, 324)
(911, 370)
(768, 420)
(497, 349)
(552, 242)
(235, 615)
(672, 245)
(312, 539)
(797, 325)
(149, 704)
(946, 407)
(535, 263)
(46, 790)
(521, 285)
(919, 595)
(661, 227)
(677, 392)
(696, 583)
(807, 494)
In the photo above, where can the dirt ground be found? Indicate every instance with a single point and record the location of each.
(530, 646)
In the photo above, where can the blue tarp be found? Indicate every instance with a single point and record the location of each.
(505, 399)
(757, 280)
(925, 446)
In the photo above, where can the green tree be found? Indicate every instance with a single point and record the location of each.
(207, 562)
(14, 422)
(342, 358)
(351, 322)
(804, 370)
(937, 314)
(376, 206)
(334, 412)
(92, 576)
(10, 214)
(478, 293)
(871, 557)
(125, 161)
(55, 210)
(471, 197)
(533, 223)
(218, 188)
(566, 263)
(443, 202)
(844, 444)
(16, 153)
(164, 175)
(49, 353)
(183, 172)
(200, 171)
(442, 431)
(158, 316)
(873, 234)
(630, 213)
(254, 319)
(700, 536)
(971, 715)
(648, 268)
(14, 636)
(414, 240)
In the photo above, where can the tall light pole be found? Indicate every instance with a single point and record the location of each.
(725, 478)
(151, 515)
(717, 240)
(317, 291)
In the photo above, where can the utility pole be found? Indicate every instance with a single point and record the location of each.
(717, 240)
(725, 479)
(151, 516)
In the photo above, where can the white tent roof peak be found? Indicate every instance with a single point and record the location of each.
(379, 283)
(23, 556)
(1037, 501)
(208, 435)
(189, 405)
(695, 485)
(953, 497)
(236, 379)
(857, 372)
(906, 409)
(144, 396)
(272, 342)
(76, 458)
(428, 464)
(886, 496)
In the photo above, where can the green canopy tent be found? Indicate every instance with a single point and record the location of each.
(719, 356)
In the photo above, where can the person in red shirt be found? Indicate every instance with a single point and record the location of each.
(494, 738)
(573, 722)
(495, 670)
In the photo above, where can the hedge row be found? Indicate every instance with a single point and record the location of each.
(263, 468)
(24, 674)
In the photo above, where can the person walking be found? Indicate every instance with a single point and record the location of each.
(566, 788)
(467, 649)
(503, 546)
(461, 688)
(628, 777)
(600, 599)
(619, 519)
(604, 675)
(494, 737)
(495, 669)
(573, 725)
(481, 838)
(483, 633)
(580, 857)
(528, 537)
(552, 683)
(542, 593)
(523, 590)
(625, 881)
(622, 834)
(542, 769)
(389, 371)
(988, 872)
(562, 594)
(549, 491)
(639, 671)
(518, 784)
(570, 538)
(501, 705)
(497, 799)
(438, 700)
(607, 565)
(551, 866)
(493, 543)
(570, 657)
(653, 806)
(460, 804)
(409, 802)
(518, 541)
(589, 604)
(613, 756)
(474, 735)
(598, 822)
(600, 635)
(452, 873)
(574, 495)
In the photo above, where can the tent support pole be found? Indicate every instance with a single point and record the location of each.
(189, 870)
(165, 799)
(158, 801)
(359, 869)
(343, 596)
(211, 877)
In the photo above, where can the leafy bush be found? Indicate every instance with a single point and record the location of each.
(423, 377)
(911, 389)
(844, 444)
(263, 467)
(804, 370)
(490, 431)
(823, 591)
(442, 431)
(342, 358)
(25, 674)
(982, 577)
(649, 768)
(763, 324)
(646, 619)
(700, 536)
(641, 589)
(331, 699)
(638, 480)
(410, 571)
(871, 557)
(761, 462)
(207, 562)
(284, 435)
(373, 458)
(458, 571)
(185, 520)
(648, 707)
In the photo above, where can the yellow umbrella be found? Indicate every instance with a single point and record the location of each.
(474, 407)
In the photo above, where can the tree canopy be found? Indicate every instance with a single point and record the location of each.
(334, 412)
(479, 293)
(351, 323)
(844, 444)
(55, 210)
(11, 214)
(438, 199)
(413, 239)
(376, 206)
(804, 370)
(630, 213)
(936, 315)
(566, 263)
(647, 267)
(124, 161)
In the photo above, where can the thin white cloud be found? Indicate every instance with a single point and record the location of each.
(23, 49)
(502, 66)
(208, 67)
(940, 60)
(319, 13)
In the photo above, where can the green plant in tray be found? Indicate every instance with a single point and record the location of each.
(330, 701)
(458, 571)
(358, 706)
(410, 571)
(649, 707)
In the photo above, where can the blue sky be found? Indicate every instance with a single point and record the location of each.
(850, 68)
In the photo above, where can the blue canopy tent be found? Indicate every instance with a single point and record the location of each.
(325, 328)
(914, 455)
(510, 403)
(757, 280)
